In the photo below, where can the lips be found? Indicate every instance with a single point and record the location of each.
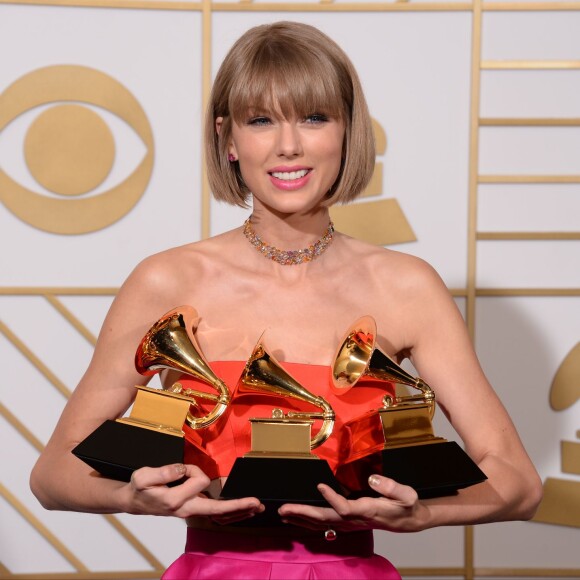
(290, 180)
(289, 175)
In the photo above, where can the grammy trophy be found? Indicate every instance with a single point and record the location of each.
(397, 439)
(160, 420)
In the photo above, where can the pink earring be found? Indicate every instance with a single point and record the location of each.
(231, 157)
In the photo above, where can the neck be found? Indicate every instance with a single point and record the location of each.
(305, 249)
(290, 231)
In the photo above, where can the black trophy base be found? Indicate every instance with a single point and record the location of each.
(433, 470)
(117, 449)
(276, 481)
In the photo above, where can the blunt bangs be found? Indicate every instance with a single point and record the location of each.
(288, 85)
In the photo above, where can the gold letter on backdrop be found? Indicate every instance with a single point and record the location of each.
(70, 150)
(379, 222)
(561, 503)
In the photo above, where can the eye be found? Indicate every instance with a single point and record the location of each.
(66, 143)
(260, 121)
(316, 119)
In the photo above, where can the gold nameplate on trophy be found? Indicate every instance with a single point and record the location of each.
(160, 420)
(158, 410)
(280, 468)
(281, 437)
(397, 439)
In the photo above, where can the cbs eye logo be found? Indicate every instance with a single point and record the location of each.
(69, 149)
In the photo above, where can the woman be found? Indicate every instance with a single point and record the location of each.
(288, 129)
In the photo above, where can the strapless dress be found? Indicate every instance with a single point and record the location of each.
(230, 436)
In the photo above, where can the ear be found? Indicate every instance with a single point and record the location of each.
(231, 147)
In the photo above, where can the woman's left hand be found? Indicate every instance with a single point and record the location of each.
(398, 510)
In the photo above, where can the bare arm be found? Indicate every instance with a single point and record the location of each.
(436, 337)
(443, 354)
(62, 481)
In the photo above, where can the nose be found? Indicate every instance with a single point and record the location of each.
(289, 142)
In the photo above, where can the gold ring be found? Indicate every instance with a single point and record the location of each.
(330, 535)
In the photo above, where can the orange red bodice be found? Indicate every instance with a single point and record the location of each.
(229, 437)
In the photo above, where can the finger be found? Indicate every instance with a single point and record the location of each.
(233, 518)
(312, 513)
(389, 488)
(338, 502)
(146, 477)
(217, 508)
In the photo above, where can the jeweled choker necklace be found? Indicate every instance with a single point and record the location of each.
(289, 257)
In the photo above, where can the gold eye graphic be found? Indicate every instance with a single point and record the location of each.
(70, 150)
(379, 222)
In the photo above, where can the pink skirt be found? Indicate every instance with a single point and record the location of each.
(213, 555)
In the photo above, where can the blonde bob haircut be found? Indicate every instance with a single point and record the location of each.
(288, 70)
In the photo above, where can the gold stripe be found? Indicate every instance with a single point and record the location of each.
(121, 575)
(528, 291)
(342, 7)
(530, 64)
(137, 545)
(21, 428)
(72, 319)
(206, 87)
(436, 572)
(528, 236)
(41, 528)
(462, 292)
(529, 179)
(431, 571)
(530, 6)
(473, 166)
(308, 6)
(137, 5)
(42, 290)
(514, 122)
(468, 548)
(531, 572)
(251, 7)
(40, 366)
(4, 571)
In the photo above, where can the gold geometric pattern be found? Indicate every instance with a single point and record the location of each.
(124, 533)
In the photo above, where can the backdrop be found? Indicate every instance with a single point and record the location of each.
(477, 115)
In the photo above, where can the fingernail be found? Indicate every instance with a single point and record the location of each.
(180, 468)
(374, 481)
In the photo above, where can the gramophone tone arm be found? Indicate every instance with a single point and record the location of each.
(427, 396)
(328, 417)
(193, 393)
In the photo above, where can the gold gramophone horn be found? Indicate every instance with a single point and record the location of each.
(357, 355)
(264, 374)
(170, 344)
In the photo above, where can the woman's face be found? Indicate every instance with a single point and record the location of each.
(288, 165)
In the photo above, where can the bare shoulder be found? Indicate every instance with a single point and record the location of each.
(161, 279)
(404, 274)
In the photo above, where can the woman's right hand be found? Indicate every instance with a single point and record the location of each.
(147, 493)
